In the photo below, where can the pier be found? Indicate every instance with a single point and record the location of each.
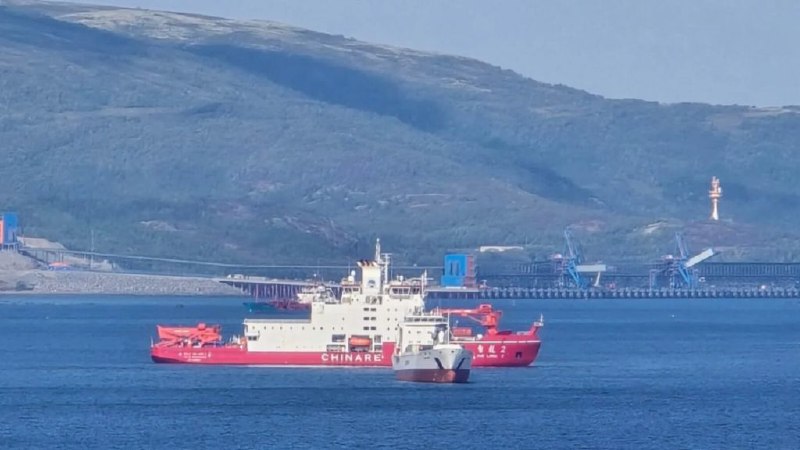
(542, 280)
(626, 293)
(262, 287)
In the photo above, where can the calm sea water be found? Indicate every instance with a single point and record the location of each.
(75, 373)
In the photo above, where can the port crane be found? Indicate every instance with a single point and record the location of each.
(681, 269)
(573, 267)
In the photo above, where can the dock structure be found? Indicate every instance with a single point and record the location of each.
(642, 293)
(626, 293)
(709, 275)
(464, 279)
(263, 287)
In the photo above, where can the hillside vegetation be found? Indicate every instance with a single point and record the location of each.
(181, 135)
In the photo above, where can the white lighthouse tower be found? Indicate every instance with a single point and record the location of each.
(715, 194)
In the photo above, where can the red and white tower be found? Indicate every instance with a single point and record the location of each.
(715, 194)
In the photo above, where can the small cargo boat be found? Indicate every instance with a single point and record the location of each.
(424, 352)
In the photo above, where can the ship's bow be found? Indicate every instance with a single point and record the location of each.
(445, 364)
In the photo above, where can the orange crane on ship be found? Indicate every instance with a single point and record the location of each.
(200, 335)
(484, 315)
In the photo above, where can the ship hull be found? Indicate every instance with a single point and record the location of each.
(495, 353)
(502, 353)
(433, 375)
(449, 363)
(239, 355)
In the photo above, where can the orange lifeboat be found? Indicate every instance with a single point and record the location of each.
(360, 341)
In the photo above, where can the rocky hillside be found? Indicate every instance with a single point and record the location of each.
(207, 138)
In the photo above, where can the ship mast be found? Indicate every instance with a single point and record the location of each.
(383, 262)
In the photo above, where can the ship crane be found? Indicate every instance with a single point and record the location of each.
(682, 269)
(190, 336)
(484, 315)
(574, 268)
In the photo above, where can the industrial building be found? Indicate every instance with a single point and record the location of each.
(9, 229)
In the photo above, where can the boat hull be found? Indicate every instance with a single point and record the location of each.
(502, 352)
(495, 353)
(433, 375)
(239, 355)
(449, 363)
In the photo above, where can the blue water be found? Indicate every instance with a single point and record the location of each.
(75, 373)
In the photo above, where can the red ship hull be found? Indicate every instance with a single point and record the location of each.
(433, 375)
(488, 353)
(509, 352)
(238, 355)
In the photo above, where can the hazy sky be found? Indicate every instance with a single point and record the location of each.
(716, 51)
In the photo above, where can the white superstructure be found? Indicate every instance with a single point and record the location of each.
(362, 319)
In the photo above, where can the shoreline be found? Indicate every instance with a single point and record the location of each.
(110, 294)
(47, 282)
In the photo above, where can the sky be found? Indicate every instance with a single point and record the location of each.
(712, 51)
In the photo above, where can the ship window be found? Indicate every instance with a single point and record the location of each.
(371, 328)
(337, 338)
(378, 348)
(366, 318)
(377, 338)
(366, 328)
(251, 338)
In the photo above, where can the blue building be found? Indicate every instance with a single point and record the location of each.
(459, 271)
(9, 228)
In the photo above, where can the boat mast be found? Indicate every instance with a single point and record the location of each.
(383, 262)
(422, 283)
(447, 334)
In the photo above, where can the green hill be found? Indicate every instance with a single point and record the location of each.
(181, 135)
